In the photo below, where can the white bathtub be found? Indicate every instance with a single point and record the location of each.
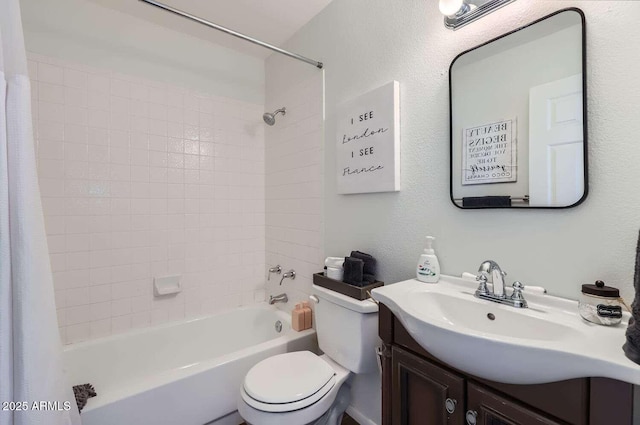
(186, 373)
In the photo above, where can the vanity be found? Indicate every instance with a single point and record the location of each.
(450, 357)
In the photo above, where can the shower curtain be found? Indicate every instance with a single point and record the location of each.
(30, 348)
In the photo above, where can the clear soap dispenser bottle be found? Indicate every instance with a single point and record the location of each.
(428, 269)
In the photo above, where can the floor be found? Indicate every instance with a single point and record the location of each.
(346, 420)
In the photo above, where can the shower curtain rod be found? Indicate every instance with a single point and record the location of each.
(233, 33)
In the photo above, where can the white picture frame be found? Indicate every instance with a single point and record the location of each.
(368, 142)
(490, 153)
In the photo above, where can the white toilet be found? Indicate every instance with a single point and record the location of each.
(301, 388)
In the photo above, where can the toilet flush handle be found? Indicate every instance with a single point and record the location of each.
(314, 298)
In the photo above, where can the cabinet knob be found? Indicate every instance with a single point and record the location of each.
(450, 405)
(471, 416)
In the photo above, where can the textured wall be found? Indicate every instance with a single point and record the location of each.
(366, 43)
(141, 179)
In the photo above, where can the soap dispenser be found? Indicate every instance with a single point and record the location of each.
(428, 269)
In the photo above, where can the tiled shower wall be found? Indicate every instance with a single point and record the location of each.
(140, 179)
(294, 176)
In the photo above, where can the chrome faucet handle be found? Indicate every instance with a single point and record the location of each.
(517, 297)
(482, 287)
(277, 270)
(291, 274)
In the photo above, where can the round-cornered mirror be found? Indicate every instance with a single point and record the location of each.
(518, 118)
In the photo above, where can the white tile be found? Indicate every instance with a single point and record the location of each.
(141, 320)
(77, 333)
(53, 112)
(120, 88)
(50, 73)
(76, 115)
(78, 260)
(53, 93)
(75, 78)
(75, 97)
(33, 69)
(100, 275)
(98, 100)
(78, 314)
(100, 294)
(76, 297)
(51, 169)
(76, 151)
(53, 131)
(98, 84)
(120, 324)
(98, 118)
(134, 186)
(100, 328)
(50, 150)
(121, 307)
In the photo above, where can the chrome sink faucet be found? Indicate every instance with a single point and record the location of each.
(491, 272)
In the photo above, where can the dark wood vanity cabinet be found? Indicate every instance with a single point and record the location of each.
(418, 389)
(489, 408)
(424, 393)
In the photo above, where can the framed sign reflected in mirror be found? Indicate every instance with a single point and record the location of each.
(518, 118)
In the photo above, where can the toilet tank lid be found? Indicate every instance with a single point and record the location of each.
(364, 306)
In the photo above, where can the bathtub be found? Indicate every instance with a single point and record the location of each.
(186, 373)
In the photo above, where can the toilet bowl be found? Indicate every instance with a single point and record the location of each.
(300, 388)
(295, 389)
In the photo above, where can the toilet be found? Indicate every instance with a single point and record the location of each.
(301, 387)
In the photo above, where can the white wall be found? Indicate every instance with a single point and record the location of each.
(141, 179)
(366, 43)
(85, 32)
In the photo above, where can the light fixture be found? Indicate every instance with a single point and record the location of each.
(458, 13)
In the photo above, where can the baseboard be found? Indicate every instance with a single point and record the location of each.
(233, 418)
(359, 417)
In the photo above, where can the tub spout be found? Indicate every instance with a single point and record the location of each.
(282, 298)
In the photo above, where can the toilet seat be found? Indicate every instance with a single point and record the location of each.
(288, 382)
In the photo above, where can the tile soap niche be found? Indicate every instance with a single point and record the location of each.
(166, 285)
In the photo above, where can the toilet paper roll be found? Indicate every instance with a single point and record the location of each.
(334, 262)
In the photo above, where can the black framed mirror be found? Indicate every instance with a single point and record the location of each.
(518, 129)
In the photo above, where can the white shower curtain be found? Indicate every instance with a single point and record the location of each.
(30, 347)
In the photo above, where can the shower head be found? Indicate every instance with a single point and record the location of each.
(270, 118)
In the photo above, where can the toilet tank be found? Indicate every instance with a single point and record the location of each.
(347, 329)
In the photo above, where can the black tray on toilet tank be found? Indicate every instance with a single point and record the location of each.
(357, 292)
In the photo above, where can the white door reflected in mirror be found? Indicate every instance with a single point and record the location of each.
(556, 157)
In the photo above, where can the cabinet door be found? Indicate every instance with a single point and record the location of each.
(487, 408)
(425, 394)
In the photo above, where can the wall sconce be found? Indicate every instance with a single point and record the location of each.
(458, 13)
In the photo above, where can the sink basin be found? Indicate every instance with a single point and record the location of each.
(546, 342)
(484, 318)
